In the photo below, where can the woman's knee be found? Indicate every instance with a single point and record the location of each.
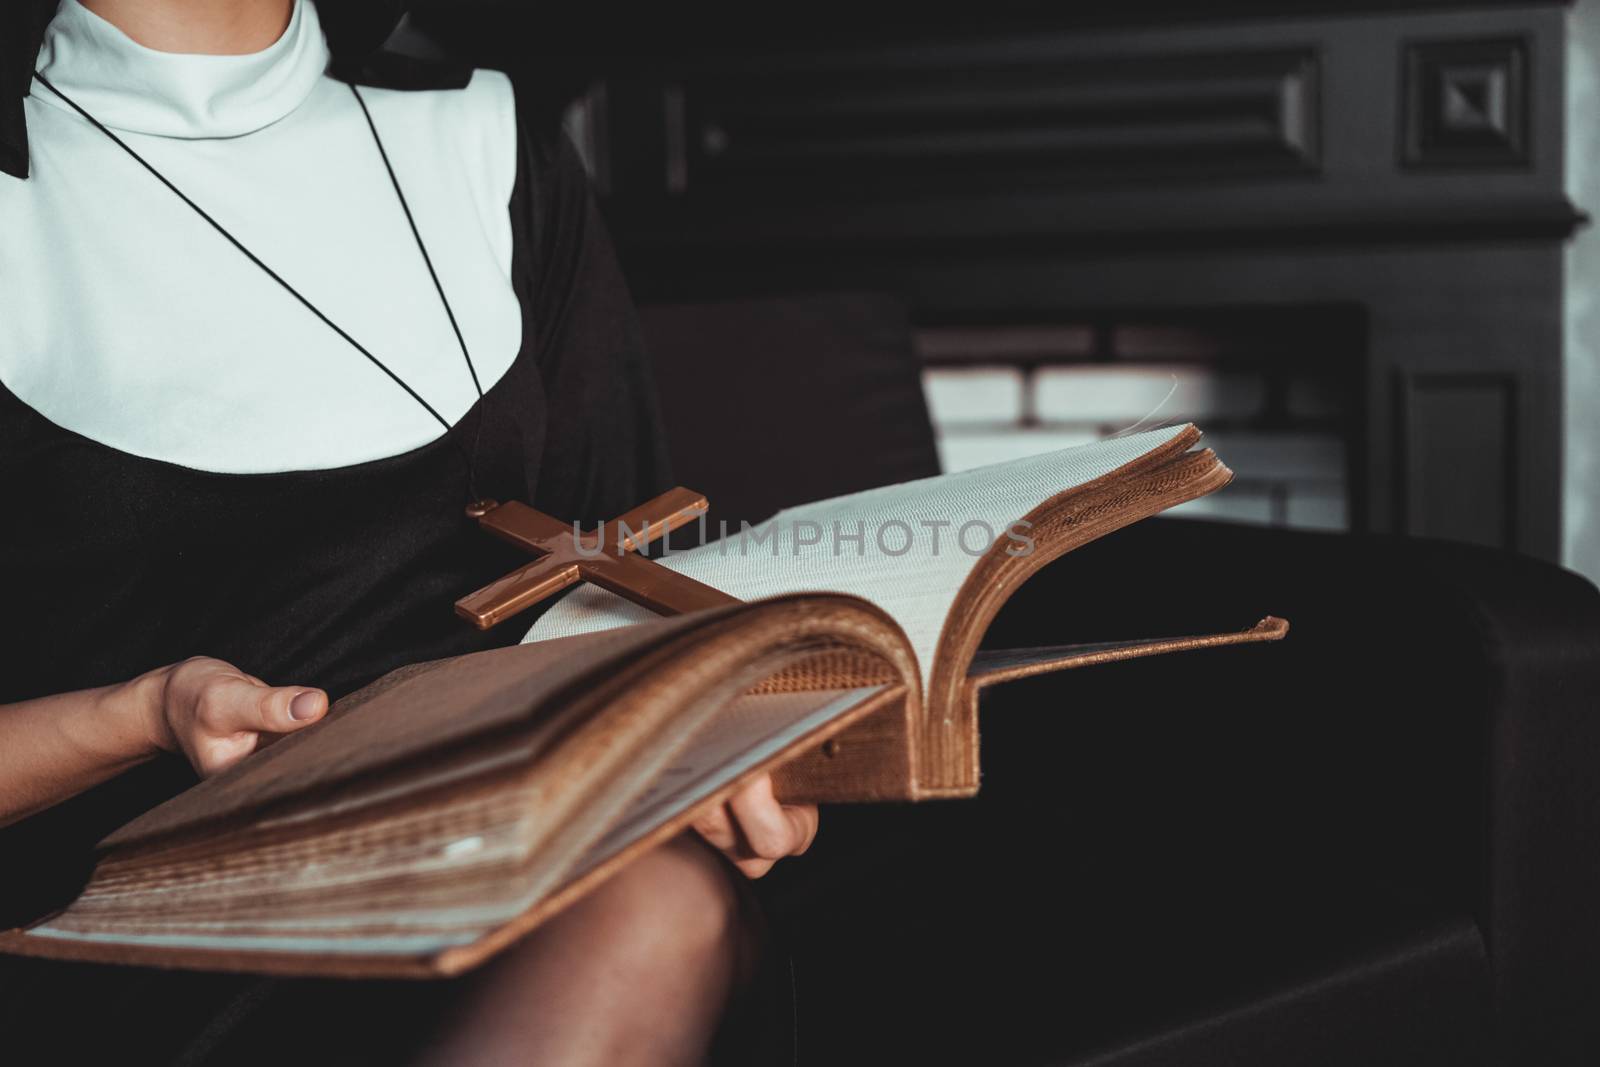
(638, 971)
(678, 906)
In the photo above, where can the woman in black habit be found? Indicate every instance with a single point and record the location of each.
(267, 326)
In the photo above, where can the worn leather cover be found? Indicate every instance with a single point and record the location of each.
(604, 718)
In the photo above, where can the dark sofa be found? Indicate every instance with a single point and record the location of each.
(1373, 843)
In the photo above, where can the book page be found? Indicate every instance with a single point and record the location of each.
(907, 548)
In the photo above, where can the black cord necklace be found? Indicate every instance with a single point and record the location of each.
(470, 458)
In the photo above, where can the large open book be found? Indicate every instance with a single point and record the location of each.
(440, 813)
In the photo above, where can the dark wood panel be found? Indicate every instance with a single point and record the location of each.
(1404, 127)
(1457, 438)
(879, 128)
(1467, 104)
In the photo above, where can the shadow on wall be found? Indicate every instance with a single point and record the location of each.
(1581, 492)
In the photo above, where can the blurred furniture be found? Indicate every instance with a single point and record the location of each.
(1025, 165)
(1377, 843)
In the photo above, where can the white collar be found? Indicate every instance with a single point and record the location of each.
(130, 87)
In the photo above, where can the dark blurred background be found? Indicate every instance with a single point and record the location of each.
(1347, 238)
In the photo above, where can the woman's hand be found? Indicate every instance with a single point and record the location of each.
(755, 831)
(57, 746)
(216, 715)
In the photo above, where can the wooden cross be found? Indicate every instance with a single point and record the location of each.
(565, 560)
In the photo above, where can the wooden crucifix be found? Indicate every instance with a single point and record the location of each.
(566, 558)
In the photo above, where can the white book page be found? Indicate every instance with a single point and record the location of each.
(907, 548)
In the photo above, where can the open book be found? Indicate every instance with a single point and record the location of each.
(440, 813)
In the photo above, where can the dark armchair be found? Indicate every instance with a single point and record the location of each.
(1374, 843)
